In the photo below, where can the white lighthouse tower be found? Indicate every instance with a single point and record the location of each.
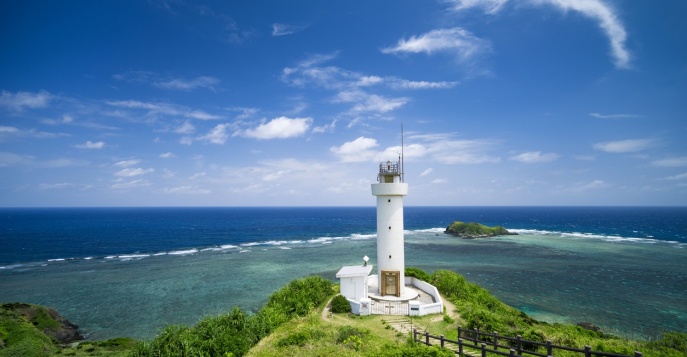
(390, 190)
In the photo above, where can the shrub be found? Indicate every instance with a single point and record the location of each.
(418, 273)
(340, 305)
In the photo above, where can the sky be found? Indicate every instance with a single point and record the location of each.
(295, 103)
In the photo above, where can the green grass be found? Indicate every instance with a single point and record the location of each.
(479, 309)
(291, 323)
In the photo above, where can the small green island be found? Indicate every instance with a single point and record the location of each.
(474, 230)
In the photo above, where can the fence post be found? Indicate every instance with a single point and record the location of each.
(442, 341)
(460, 347)
(512, 352)
(415, 334)
(484, 349)
(587, 351)
(496, 341)
(427, 339)
(458, 331)
(475, 336)
(518, 339)
(638, 354)
(548, 348)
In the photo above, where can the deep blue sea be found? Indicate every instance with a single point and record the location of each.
(131, 271)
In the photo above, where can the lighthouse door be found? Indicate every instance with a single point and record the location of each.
(390, 282)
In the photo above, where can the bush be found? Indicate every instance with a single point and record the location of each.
(340, 305)
(418, 273)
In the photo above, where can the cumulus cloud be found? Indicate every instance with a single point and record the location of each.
(357, 150)
(624, 146)
(91, 145)
(21, 100)
(280, 128)
(597, 10)
(167, 155)
(534, 157)
(453, 40)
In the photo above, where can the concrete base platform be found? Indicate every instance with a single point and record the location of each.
(409, 293)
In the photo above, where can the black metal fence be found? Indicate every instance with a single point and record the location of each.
(471, 342)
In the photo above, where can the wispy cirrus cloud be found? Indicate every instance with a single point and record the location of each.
(279, 29)
(153, 109)
(458, 41)
(678, 161)
(614, 116)
(624, 146)
(532, 157)
(19, 101)
(597, 10)
(130, 172)
(166, 82)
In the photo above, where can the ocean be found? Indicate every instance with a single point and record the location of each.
(131, 271)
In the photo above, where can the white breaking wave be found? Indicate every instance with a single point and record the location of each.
(603, 237)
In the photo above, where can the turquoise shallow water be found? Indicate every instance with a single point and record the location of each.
(131, 271)
(632, 289)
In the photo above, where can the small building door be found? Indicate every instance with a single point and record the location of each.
(390, 282)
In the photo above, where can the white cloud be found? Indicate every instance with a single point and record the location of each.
(489, 6)
(164, 108)
(380, 104)
(584, 157)
(614, 116)
(91, 145)
(426, 172)
(185, 129)
(444, 149)
(280, 128)
(186, 190)
(406, 84)
(534, 157)
(127, 163)
(357, 150)
(197, 175)
(8, 130)
(55, 186)
(284, 29)
(218, 135)
(678, 177)
(131, 172)
(454, 40)
(188, 84)
(624, 146)
(671, 162)
(20, 100)
(439, 181)
(167, 155)
(9, 159)
(596, 184)
(597, 10)
(123, 185)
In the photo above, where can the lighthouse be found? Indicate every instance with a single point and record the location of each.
(389, 191)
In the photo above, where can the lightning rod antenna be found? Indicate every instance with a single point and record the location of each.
(402, 162)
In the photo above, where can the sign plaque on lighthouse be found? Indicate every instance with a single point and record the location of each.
(389, 191)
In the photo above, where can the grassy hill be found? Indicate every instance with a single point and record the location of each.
(295, 321)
